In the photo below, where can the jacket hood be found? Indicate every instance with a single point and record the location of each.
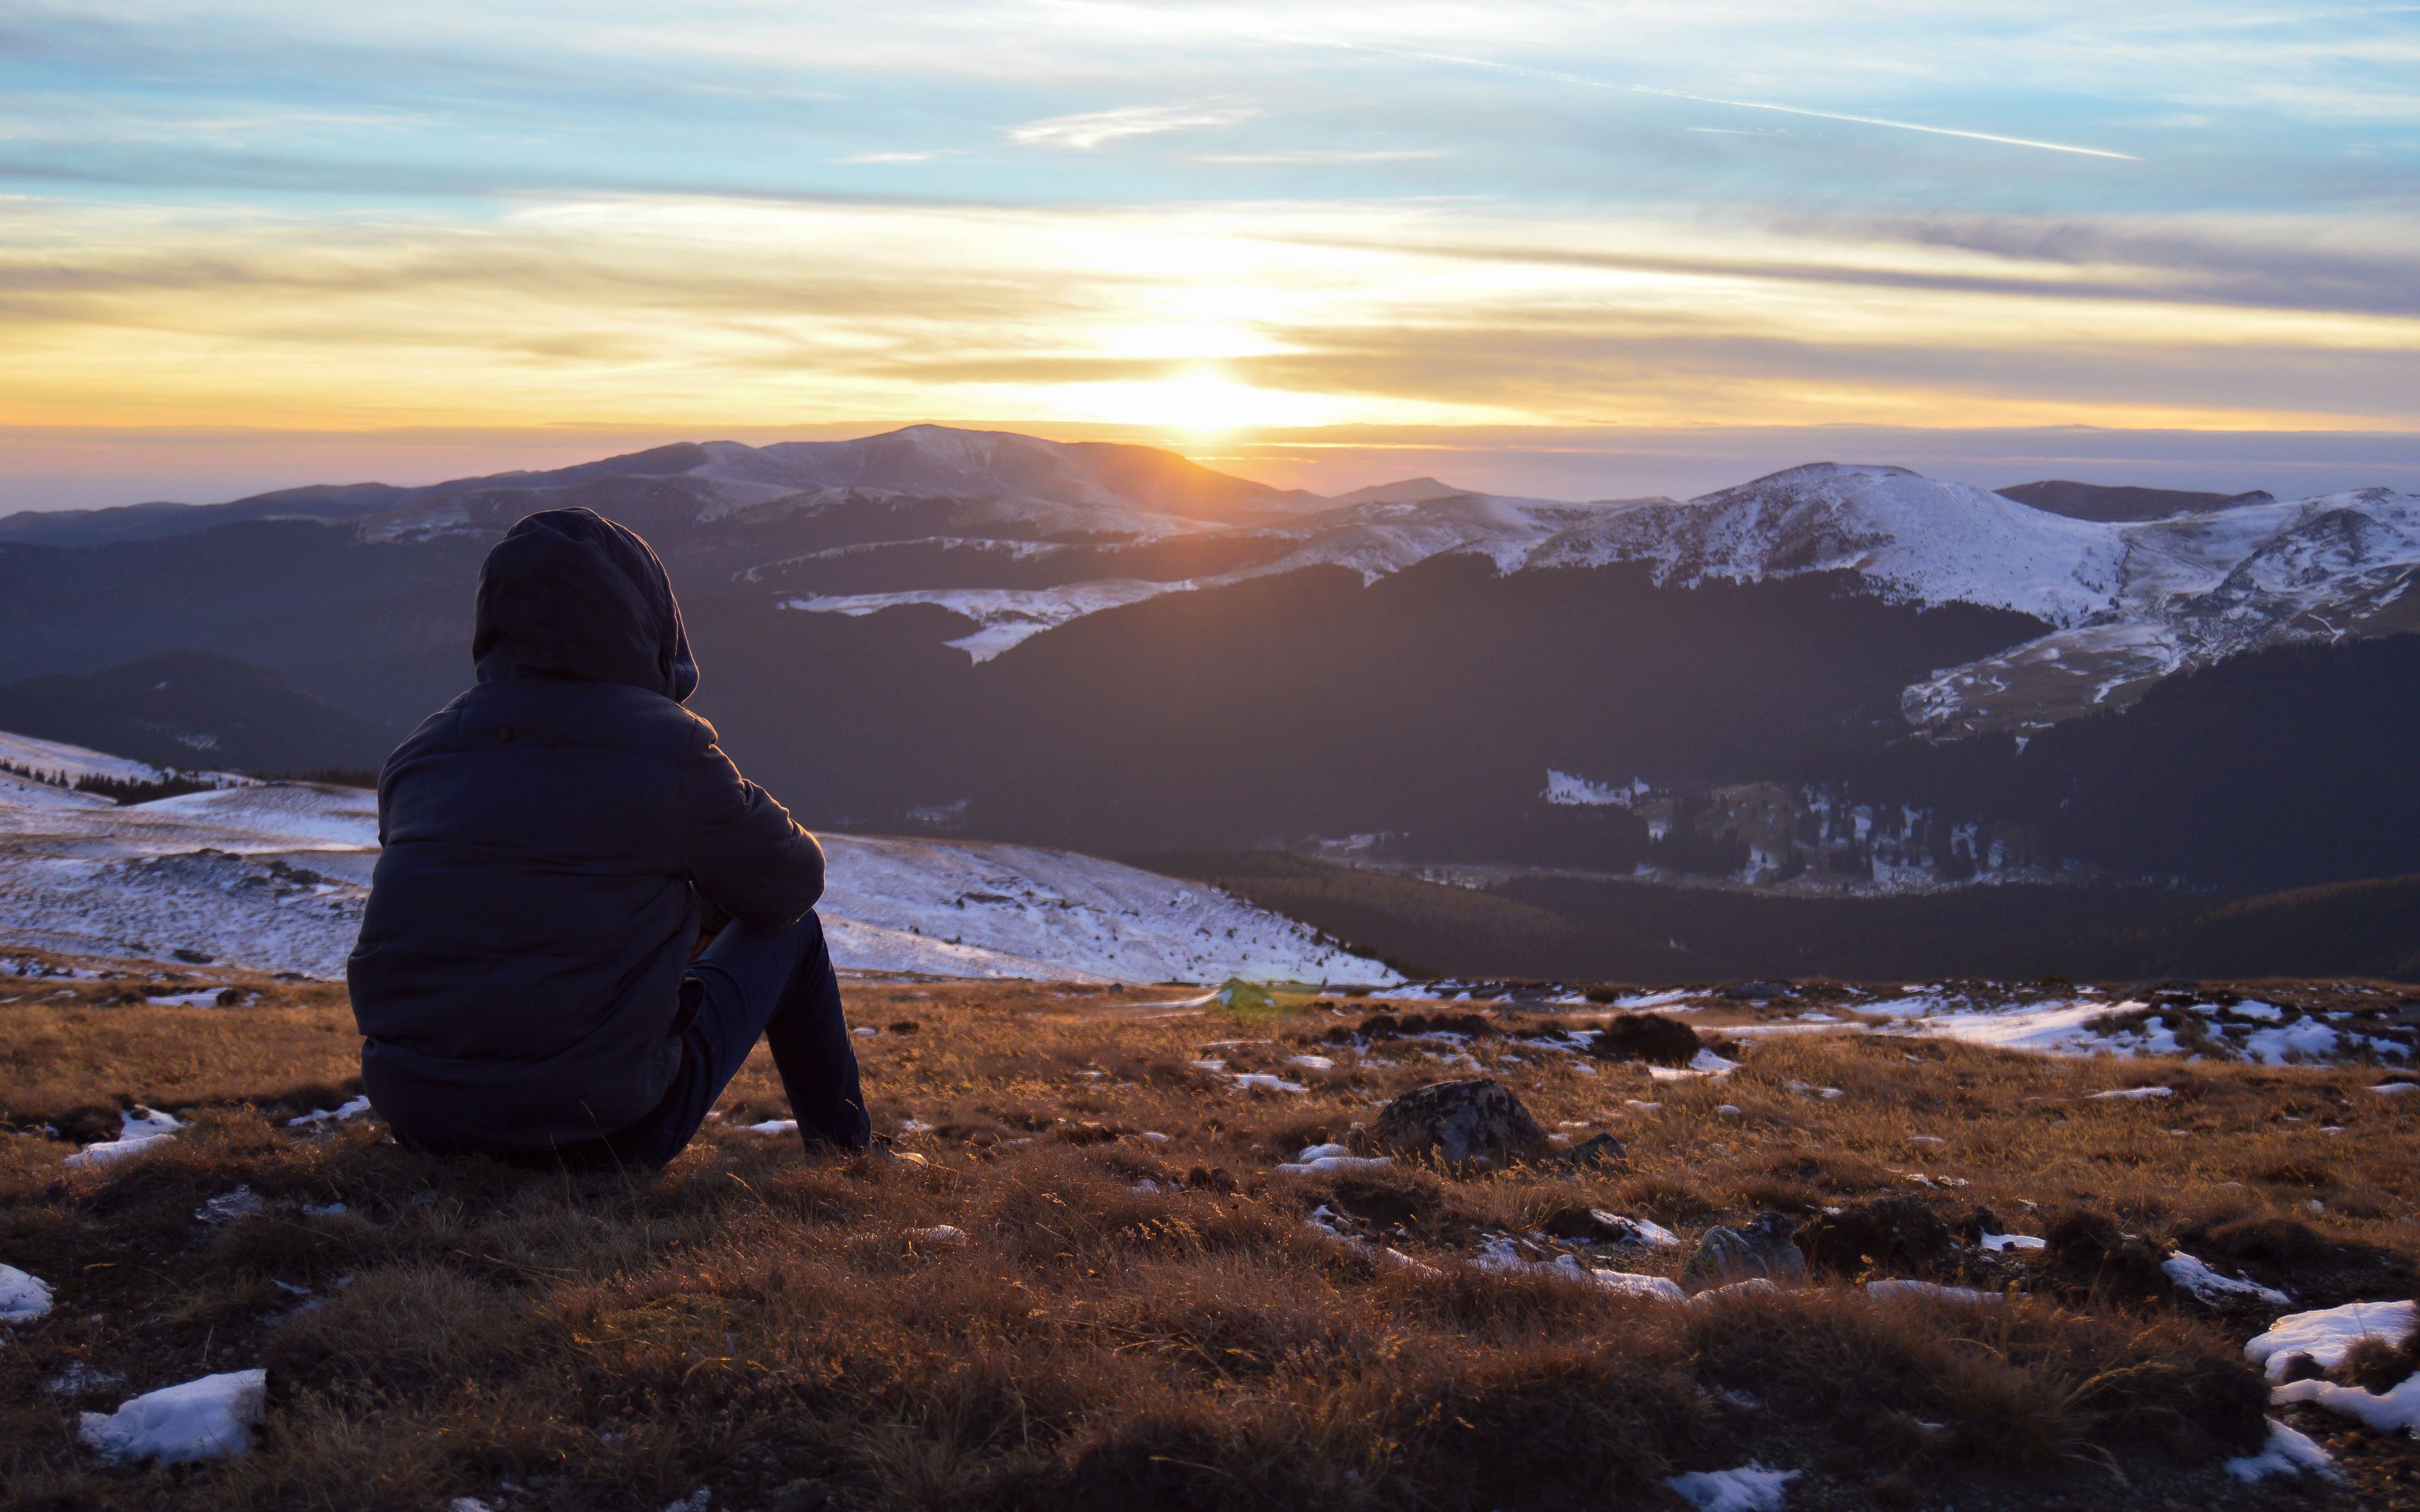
(570, 594)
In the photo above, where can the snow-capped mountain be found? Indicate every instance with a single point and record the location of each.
(2131, 602)
(2128, 602)
(1017, 535)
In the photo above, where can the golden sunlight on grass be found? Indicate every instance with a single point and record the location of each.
(1100, 1291)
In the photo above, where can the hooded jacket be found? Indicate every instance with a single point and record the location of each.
(546, 838)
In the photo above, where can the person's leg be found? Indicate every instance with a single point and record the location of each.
(777, 985)
(811, 1049)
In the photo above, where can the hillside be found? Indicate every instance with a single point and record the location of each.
(195, 711)
(1579, 929)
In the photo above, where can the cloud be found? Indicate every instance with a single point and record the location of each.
(1317, 155)
(1094, 128)
(716, 313)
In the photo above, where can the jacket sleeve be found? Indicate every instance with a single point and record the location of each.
(745, 854)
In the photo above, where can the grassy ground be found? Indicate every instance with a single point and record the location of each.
(1134, 1322)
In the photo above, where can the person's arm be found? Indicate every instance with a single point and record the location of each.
(745, 855)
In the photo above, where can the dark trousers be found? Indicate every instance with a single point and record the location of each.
(774, 984)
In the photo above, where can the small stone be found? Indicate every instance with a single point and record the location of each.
(1761, 1249)
(1648, 1037)
(1473, 1121)
(1596, 1152)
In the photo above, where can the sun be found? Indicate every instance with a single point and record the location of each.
(1205, 402)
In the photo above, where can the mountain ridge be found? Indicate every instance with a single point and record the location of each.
(1018, 536)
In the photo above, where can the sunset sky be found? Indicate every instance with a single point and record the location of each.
(1552, 247)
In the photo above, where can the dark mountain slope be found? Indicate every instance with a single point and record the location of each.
(1643, 932)
(80, 610)
(2110, 501)
(194, 711)
(1431, 702)
(2278, 769)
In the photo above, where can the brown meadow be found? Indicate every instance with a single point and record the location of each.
(1058, 1309)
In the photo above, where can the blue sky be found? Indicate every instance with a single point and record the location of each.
(1238, 228)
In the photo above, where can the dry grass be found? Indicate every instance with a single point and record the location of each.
(778, 1330)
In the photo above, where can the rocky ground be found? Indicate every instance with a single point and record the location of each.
(1157, 1249)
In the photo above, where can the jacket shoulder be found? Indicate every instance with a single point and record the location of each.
(551, 711)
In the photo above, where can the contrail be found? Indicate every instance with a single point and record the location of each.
(1758, 104)
(1877, 120)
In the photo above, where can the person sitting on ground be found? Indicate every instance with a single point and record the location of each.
(557, 843)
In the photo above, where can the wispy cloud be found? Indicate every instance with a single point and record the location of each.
(1324, 155)
(1094, 129)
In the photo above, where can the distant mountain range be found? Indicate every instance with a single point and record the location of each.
(1836, 675)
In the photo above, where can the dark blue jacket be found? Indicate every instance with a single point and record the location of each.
(548, 838)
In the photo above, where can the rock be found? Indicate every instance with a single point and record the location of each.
(1598, 1151)
(1759, 1249)
(1472, 1121)
(1595, 1225)
(1895, 1234)
(1648, 1037)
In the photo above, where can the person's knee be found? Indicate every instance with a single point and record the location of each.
(807, 935)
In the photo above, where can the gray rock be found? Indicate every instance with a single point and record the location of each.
(1476, 1121)
(1759, 1249)
(1598, 1151)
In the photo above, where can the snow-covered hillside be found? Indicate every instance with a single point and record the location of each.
(1914, 538)
(2125, 603)
(66, 762)
(2195, 589)
(275, 875)
(973, 910)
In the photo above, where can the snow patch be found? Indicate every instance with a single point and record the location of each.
(139, 1130)
(2327, 1334)
(23, 1297)
(2287, 1453)
(2395, 1410)
(202, 1419)
(1751, 1487)
(352, 1109)
(2192, 1275)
